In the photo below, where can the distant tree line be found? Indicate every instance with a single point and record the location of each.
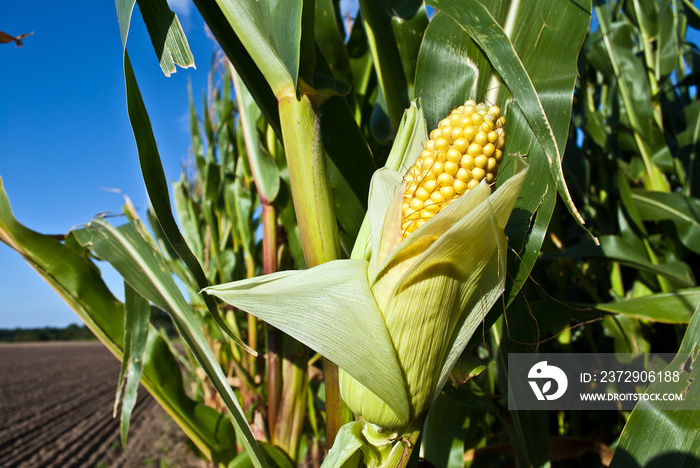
(72, 332)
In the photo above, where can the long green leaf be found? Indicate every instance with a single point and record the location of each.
(681, 210)
(444, 431)
(141, 266)
(689, 142)
(136, 319)
(157, 188)
(271, 33)
(672, 307)
(330, 41)
(78, 282)
(326, 308)
(446, 47)
(167, 36)
(189, 219)
(276, 458)
(350, 165)
(409, 22)
(547, 49)
(241, 60)
(614, 54)
(262, 165)
(386, 58)
(614, 248)
(653, 435)
(552, 48)
(529, 430)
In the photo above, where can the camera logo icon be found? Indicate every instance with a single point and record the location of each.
(541, 372)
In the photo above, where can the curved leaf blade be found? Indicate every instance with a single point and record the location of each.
(681, 210)
(326, 308)
(168, 39)
(546, 53)
(271, 33)
(78, 282)
(493, 39)
(614, 248)
(672, 307)
(241, 59)
(653, 434)
(262, 166)
(136, 319)
(157, 188)
(142, 267)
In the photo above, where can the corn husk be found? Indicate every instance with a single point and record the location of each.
(396, 318)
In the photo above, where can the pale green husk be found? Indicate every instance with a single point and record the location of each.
(397, 323)
(434, 289)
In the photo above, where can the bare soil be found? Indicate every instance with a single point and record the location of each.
(56, 403)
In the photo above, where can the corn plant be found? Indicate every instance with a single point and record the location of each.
(368, 202)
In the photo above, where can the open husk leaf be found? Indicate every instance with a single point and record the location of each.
(396, 323)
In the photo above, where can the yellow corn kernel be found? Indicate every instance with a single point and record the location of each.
(466, 148)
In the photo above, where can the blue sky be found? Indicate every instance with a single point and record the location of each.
(65, 139)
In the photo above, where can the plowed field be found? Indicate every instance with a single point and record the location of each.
(56, 404)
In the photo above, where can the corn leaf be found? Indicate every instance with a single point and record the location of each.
(343, 140)
(528, 431)
(681, 210)
(409, 21)
(330, 39)
(611, 50)
(188, 217)
(157, 188)
(195, 134)
(168, 38)
(141, 266)
(350, 161)
(549, 47)
(241, 199)
(689, 142)
(471, 52)
(386, 58)
(653, 435)
(78, 282)
(136, 319)
(346, 451)
(270, 31)
(627, 202)
(276, 458)
(262, 166)
(326, 308)
(614, 248)
(671, 307)
(347, 147)
(446, 47)
(444, 432)
(241, 60)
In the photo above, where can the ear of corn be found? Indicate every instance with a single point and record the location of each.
(465, 149)
(416, 302)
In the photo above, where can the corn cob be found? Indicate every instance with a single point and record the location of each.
(465, 149)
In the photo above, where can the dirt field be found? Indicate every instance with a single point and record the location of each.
(56, 411)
